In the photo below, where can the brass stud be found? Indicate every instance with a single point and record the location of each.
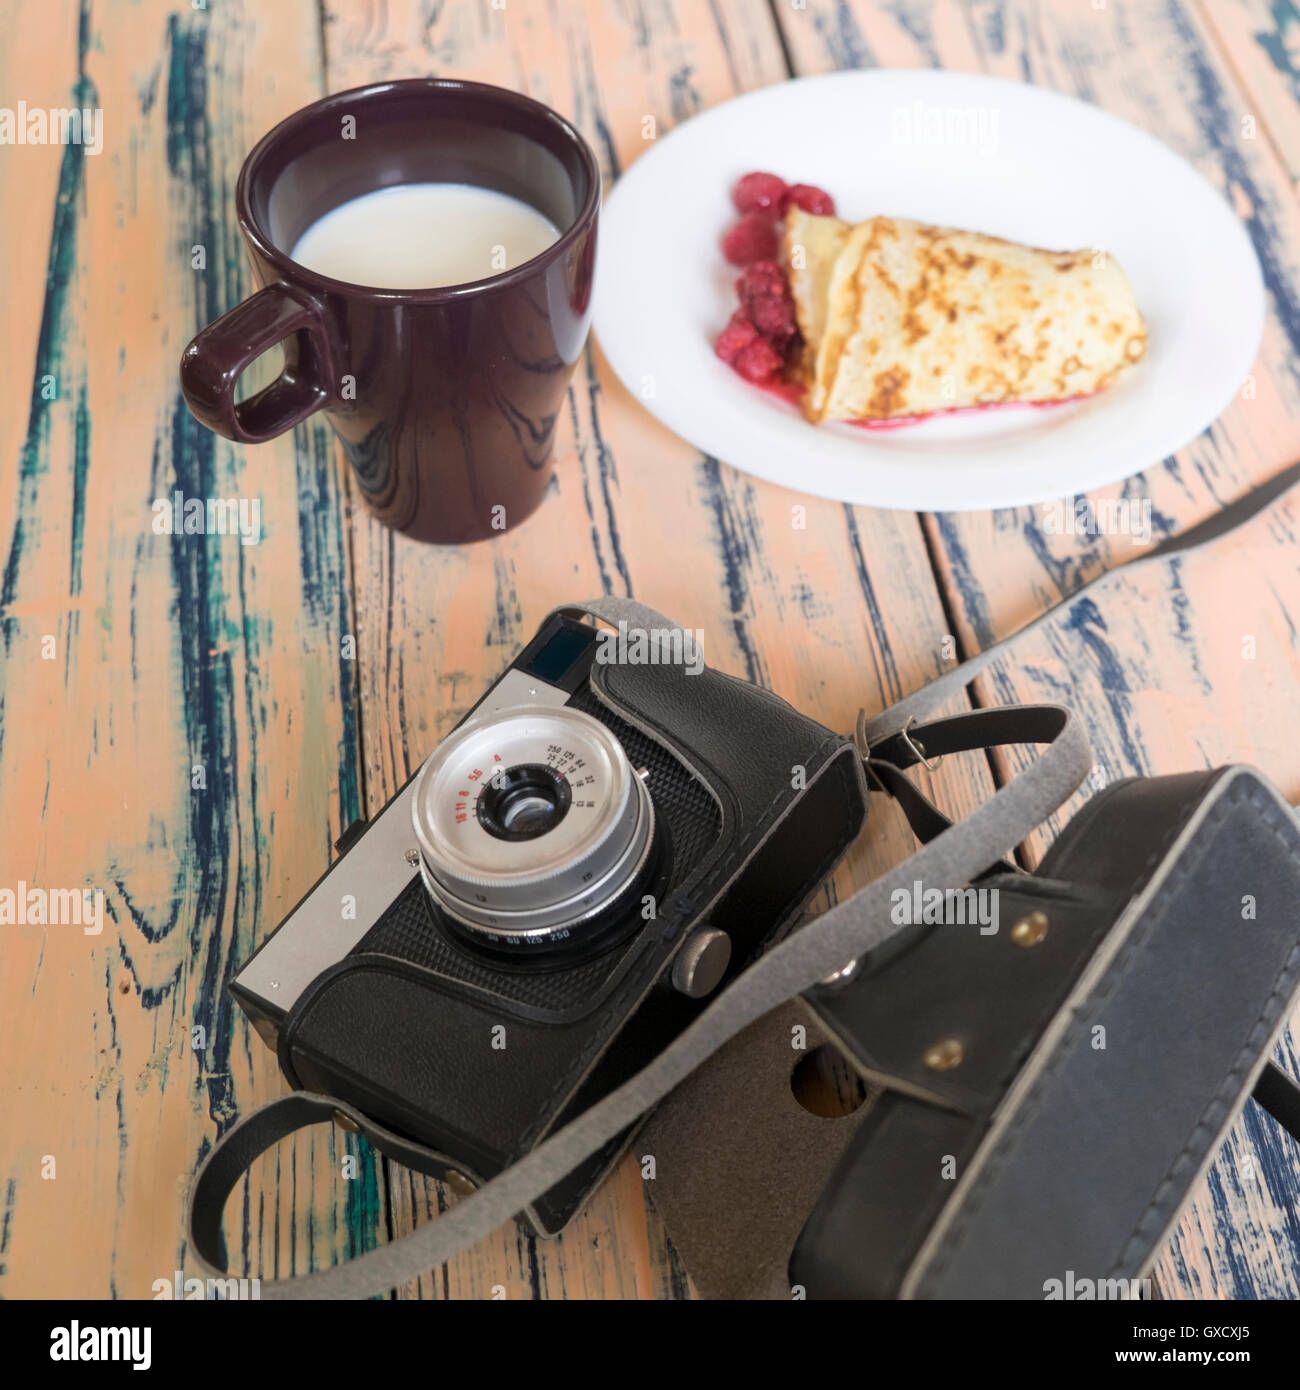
(945, 1055)
(346, 1122)
(1030, 930)
(841, 976)
(457, 1182)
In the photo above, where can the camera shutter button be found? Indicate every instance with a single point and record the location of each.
(701, 963)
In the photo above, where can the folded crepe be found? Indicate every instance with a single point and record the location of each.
(812, 248)
(899, 318)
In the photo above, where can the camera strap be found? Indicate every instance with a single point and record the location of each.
(951, 856)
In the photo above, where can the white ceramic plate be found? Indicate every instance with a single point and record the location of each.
(961, 151)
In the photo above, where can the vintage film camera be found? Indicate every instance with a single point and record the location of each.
(575, 870)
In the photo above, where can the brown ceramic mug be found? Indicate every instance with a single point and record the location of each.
(445, 400)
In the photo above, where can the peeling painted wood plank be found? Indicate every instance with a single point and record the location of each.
(1261, 40)
(178, 727)
(1157, 664)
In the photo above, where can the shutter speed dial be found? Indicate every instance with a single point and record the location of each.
(530, 822)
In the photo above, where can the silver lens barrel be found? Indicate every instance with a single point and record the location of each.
(529, 821)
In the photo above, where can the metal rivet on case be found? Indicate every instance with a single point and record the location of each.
(458, 1182)
(1030, 930)
(945, 1055)
(841, 976)
(412, 857)
(346, 1122)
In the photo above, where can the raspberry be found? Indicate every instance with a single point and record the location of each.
(773, 316)
(735, 337)
(759, 362)
(760, 278)
(753, 238)
(811, 199)
(757, 191)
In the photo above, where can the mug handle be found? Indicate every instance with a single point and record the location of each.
(213, 363)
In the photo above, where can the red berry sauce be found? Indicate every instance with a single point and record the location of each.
(812, 200)
(762, 339)
(753, 238)
(757, 191)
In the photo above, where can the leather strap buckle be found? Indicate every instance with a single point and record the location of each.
(916, 746)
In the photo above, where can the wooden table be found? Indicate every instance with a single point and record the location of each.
(184, 725)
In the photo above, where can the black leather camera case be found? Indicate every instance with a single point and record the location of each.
(759, 803)
(1098, 1047)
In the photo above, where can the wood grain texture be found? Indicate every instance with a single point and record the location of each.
(1199, 664)
(1261, 40)
(132, 658)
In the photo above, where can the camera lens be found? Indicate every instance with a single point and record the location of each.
(523, 802)
(531, 824)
